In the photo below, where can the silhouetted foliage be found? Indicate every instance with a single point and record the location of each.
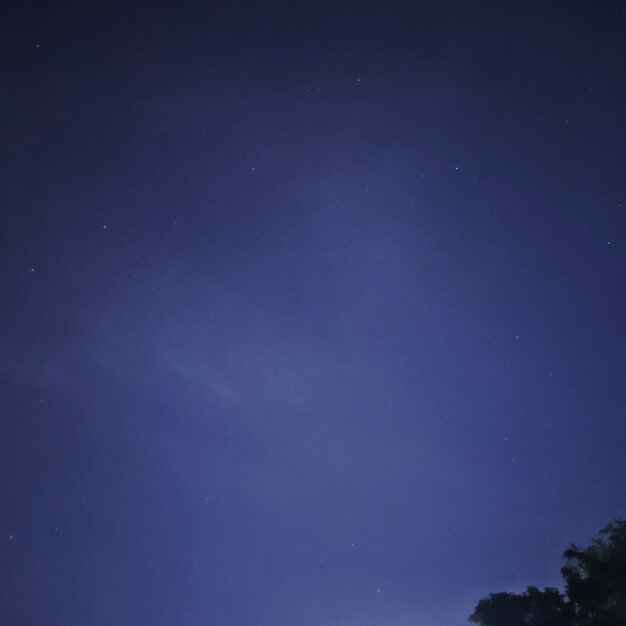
(595, 578)
(532, 608)
(595, 590)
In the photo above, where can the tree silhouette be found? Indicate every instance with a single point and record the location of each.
(532, 608)
(595, 590)
(595, 578)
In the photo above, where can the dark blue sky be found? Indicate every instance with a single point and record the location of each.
(313, 313)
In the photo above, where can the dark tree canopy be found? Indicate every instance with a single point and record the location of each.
(595, 578)
(532, 608)
(595, 590)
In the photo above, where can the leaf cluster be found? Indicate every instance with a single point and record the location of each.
(595, 590)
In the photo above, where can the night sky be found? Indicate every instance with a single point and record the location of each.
(313, 314)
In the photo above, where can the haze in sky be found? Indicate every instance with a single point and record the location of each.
(313, 312)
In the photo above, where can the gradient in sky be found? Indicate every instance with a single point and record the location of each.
(313, 314)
